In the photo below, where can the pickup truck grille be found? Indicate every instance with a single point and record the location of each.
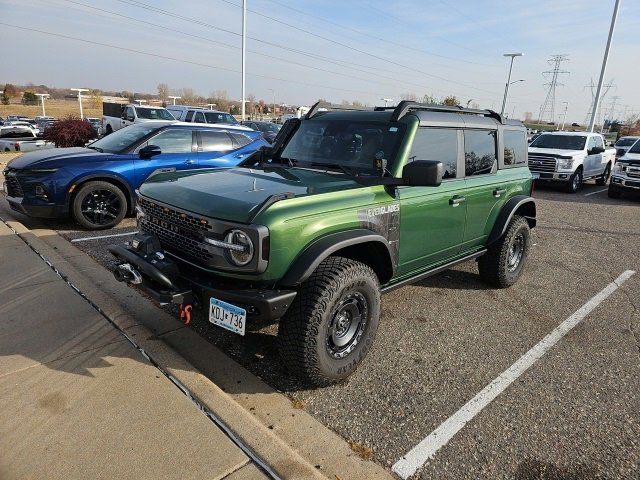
(14, 189)
(538, 163)
(633, 172)
(179, 232)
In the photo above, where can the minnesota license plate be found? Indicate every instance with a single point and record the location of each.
(227, 316)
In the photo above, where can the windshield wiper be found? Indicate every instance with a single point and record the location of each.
(342, 168)
(97, 149)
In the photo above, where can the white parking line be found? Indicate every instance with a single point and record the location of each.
(597, 191)
(427, 448)
(84, 239)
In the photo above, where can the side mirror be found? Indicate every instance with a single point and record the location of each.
(595, 150)
(422, 173)
(149, 151)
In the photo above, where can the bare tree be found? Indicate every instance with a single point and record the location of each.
(409, 96)
(163, 91)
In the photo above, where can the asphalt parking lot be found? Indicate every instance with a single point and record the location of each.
(574, 414)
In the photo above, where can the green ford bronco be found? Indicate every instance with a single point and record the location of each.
(344, 206)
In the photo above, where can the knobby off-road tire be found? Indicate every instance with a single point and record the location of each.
(96, 197)
(323, 315)
(503, 263)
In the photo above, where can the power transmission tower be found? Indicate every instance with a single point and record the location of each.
(593, 86)
(548, 108)
(612, 110)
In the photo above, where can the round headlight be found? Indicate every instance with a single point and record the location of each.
(243, 256)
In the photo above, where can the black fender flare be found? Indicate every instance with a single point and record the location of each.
(309, 259)
(131, 196)
(523, 202)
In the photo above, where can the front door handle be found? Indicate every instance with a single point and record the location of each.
(498, 192)
(189, 162)
(457, 200)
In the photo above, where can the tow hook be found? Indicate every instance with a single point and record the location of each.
(126, 273)
(185, 312)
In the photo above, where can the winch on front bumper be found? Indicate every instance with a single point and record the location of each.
(144, 263)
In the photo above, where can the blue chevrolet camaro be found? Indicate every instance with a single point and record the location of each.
(96, 185)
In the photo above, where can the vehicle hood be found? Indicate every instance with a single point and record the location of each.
(56, 157)
(556, 152)
(630, 158)
(236, 194)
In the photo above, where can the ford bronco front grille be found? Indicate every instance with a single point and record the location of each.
(538, 163)
(179, 233)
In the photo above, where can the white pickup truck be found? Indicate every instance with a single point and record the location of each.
(118, 115)
(571, 158)
(18, 138)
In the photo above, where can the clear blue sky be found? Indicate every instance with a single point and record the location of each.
(370, 50)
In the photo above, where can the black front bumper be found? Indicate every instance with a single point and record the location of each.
(169, 282)
(38, 211)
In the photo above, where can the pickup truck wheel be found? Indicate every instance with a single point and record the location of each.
(605, 176)
(332, 322)
(575, 181)
(99, 205)
(613, 192)
(502, 265)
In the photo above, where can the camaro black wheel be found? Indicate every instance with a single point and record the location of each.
(99, 205)
(503, 263)
(575, 181)
(605, 176)
(332, 322)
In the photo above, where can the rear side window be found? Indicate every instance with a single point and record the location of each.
(479, 152)
(215, 141)
(440, 144)
(189, 116)
(199, 118)
(241, 139)
(515, 148)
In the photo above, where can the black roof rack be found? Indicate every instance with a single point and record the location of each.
(328, 106)
(407, 106)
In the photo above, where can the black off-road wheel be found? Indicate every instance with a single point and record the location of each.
(331, 325)
(99, 205)
(502, 265)
(601, 181)
(575, 181)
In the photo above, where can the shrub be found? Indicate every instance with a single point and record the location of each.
(70, 131)
(29, 98)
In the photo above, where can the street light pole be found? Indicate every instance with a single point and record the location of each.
(274, 101)
(244, 53)
(596, 101)
(387, 101)
(564, 115)
(80, 90)
(42, 97)
(506, 86)
(174, 98)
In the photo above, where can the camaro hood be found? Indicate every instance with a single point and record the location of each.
(236, 194)
(556, 152)
(55, 157)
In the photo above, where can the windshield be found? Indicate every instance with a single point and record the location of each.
(626, 142)
(268, 127)
(122, 139)
(635, 148)
(154, 113)
(562, 142)
(346, 143)
(220, 117)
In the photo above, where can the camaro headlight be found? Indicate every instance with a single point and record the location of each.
(565, 163)
(243, 253)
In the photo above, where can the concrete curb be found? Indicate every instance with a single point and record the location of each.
(290, 441)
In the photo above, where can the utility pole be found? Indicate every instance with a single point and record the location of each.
(274, 101)
(174, 98)
(549, 105)
(244, 54)
(506, 86)
(614, 17)
(564, 114)
(80, 90)
(42, 97)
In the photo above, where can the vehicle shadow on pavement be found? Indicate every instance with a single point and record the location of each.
(456, 280)
(533, 469)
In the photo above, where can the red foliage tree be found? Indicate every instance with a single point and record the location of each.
(70, 131)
